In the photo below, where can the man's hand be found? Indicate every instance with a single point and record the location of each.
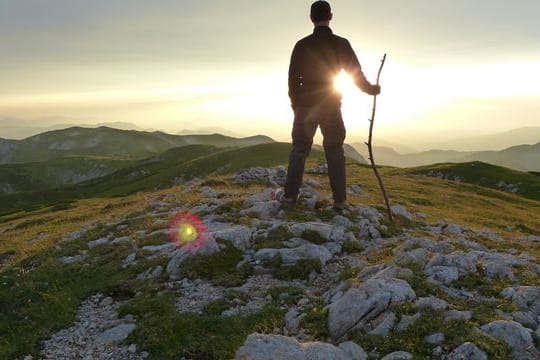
(374, 90)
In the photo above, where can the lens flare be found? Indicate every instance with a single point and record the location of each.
(187, 230)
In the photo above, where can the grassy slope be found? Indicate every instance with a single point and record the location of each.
(55, 172)
(38, 302)
(157, 172)
(483, 174)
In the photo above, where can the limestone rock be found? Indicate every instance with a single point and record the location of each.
(527, 299)
(402, 211)
(435, 339)
(467, 351)
(324, 230)
(115, 335)
(72, 259)
(122, 240)
(271, 347)
(406, 321)
(464, 262)
(443, 274)
(291, 256)
(292, 320)
(414, 257)
(164, 249)
(431, 302)
(458, 315)
(151, 273)
(129, 260)
(383, 324)
(263, 209)
(366, 302)
(353, 350)
(515, 335)
(452, 229)
(239, 236)
(398, 355)
(98, 242)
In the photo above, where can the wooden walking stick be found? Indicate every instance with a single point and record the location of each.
(370, 147)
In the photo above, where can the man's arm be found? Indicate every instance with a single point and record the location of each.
(294, 75)
(353, 67)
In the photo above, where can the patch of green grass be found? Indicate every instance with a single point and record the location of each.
(41, 295)
(418, 281)
(300, 270)
(483, 175)
(216, 307)
(431, 321)
(383, 255)
(231, 294)
(214, 182)
(326, 214)
(313, 236)
(526, 277)
(348, 273)
(219, 268)
(155, 239)
(351, 247)
(288, 295)
(527, 230)
(316, 320)
(299, 213)
(166, 334)
(479, 282)
(273, 240)
(229, 210)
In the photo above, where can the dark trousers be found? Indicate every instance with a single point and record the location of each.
(306, 121)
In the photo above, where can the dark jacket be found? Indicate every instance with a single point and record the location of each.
(315, 62)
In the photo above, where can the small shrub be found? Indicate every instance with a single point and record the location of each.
(288, 295)
(214, 183)
(351, 247)
(347, 273)
(316, 320)
(273, 240)
(220, 267)
(300, 270)
(313, 236)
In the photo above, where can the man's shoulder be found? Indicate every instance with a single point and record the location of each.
(340, 39)
(305, 39)
(312, 37)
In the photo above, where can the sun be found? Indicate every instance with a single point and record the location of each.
(344, 84)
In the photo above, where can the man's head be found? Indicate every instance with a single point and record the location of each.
(321, 12)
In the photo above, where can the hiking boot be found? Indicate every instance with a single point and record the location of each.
(339, 206)
(287, 202)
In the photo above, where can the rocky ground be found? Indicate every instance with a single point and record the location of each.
(350, 285)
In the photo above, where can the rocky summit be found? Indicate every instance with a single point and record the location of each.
(274, 283)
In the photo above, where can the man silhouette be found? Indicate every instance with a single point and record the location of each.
(315, 62)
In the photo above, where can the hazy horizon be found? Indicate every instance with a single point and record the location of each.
(455, 69)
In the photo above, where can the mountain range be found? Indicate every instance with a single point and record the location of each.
(16, 129)
(80, 162)
(108, 142)
(520, 157)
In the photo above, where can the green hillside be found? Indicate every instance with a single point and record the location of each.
(55, 172)
(485, 175)
(156, 172)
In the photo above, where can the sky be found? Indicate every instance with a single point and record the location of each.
(455, 68)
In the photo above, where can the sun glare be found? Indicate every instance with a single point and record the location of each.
(345, 84)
